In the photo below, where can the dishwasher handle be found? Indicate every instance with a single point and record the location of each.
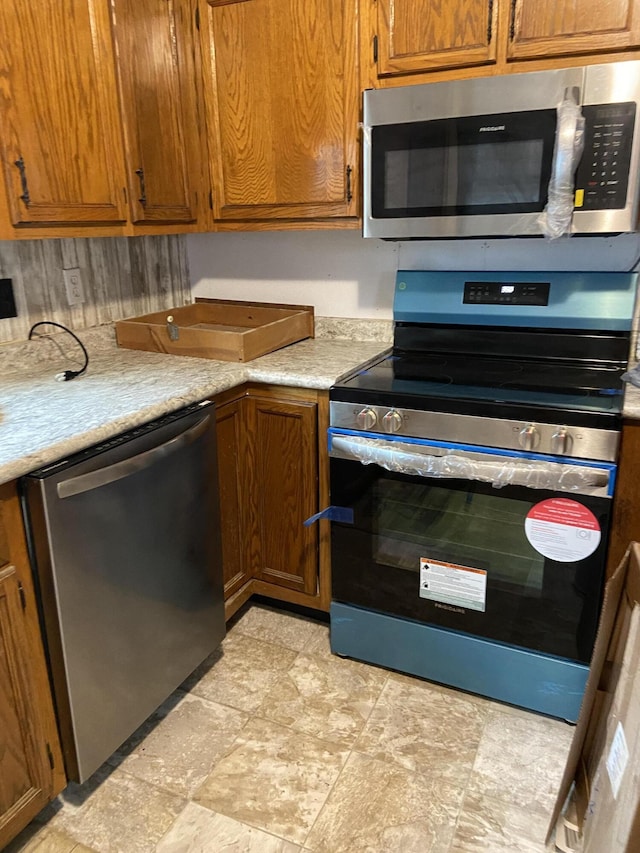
(127, 467)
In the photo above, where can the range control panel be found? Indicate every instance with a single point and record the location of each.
(506, 293)
(603, 174)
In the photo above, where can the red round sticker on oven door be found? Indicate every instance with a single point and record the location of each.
(562, 530)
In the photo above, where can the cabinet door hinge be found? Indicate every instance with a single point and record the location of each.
(197, 17)
(52, 763)
(23, 597)
(375, 49)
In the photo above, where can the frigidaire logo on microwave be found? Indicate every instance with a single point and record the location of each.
(492, 127)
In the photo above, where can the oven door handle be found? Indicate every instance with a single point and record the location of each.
(443, 462)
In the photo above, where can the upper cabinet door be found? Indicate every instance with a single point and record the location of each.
(550, 28)
(157, 81)
(420, 35)
(282, 99)
(60, 137)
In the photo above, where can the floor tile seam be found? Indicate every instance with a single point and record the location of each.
(161, 788)
(209, 702)
(461, 809)
(506, 800)
(461, 783)
(264, 640)
(236, 820)
(334, 743)
(527, 808)
(326, 799)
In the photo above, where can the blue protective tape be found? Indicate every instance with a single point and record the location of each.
(332, 513)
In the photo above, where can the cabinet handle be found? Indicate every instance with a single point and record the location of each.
(26, 198)
(375, 50)
(349, 193)
(143, 191)
(490, 23)
(512, 26)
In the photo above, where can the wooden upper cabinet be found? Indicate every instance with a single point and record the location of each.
(154, 44)
(282, 97)
(422, 35)
(61, 134)
(551, 28)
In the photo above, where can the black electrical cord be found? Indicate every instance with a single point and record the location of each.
(66, 375)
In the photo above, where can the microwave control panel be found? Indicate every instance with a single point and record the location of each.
(603, 173)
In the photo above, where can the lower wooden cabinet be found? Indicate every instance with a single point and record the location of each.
(31, 768)
(273, 474)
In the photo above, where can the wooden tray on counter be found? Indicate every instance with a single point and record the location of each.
(218, 328)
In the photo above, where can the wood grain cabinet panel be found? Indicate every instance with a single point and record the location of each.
(232, 471)
(551, 28)
(282, 95)
(31, 771)
(284, 492)
(157, 78)
(422, 35)
(61, 133)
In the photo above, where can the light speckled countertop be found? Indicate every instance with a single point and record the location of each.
(42, 420)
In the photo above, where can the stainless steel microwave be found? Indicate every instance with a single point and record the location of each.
(474, 158)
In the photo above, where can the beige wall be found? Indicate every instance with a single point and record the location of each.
(122, 277)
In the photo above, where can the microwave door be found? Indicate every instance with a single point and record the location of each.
(460, 176)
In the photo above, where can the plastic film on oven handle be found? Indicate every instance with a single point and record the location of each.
(437, 462)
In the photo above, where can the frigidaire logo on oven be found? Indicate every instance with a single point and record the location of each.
(491, 128)
(450, 607)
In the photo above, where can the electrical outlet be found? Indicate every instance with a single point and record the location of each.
(7, 300)
(73, 286)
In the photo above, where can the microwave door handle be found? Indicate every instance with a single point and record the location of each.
(557, 216)
(127, 467)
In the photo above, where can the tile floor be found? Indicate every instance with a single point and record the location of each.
(276, 746)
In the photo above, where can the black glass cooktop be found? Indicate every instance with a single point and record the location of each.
(470, 384)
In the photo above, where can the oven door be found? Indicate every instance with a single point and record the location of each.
(503, 546)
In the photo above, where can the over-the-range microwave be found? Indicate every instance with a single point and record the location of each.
(473, 158)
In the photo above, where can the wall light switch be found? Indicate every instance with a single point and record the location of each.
(73, 286)
(7, 300)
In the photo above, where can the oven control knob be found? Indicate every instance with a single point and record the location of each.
(392, 421)
(529, 437)
(561, 441)
(366, 419)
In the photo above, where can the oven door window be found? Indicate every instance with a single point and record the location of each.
(477, 165)
(525, 599)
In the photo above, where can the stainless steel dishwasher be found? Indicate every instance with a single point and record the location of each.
(125, 545)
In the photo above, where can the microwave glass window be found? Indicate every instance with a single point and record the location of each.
(479, 165)
(494, 173)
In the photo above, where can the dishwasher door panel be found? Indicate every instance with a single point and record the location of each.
(130, 570)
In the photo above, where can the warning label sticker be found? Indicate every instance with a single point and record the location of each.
(449, 583)
(562, 530)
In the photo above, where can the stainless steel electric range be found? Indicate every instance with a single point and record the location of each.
(472, 472)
